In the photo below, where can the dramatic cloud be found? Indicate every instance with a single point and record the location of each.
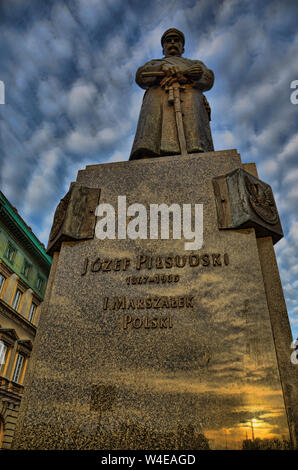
(71, 100)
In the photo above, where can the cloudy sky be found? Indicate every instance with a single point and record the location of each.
(71, 100)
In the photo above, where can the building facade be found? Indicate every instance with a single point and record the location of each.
(24, 269)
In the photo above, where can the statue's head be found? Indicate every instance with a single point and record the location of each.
(172, 42)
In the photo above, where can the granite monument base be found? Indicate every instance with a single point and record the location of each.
(143, 344)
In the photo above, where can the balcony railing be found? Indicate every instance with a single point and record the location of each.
(9, 386)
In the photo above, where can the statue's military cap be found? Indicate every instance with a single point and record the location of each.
(172, 31)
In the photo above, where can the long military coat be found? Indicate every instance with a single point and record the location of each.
(156, 133)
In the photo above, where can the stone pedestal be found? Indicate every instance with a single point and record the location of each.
(172, 349)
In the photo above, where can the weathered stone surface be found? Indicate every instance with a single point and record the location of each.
(202, 379)
(281, 331)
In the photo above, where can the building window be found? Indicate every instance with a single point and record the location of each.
(18, 368)
(39, 283)
(2, 281)
(26, 268)
(10, 252)
(32, 312)
(17, 299)
(3, 356)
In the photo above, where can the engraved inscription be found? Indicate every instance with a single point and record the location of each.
(127, 303)
(147, 263)
(146, 322)
(142, 262)
(107, 265)
(157, 279)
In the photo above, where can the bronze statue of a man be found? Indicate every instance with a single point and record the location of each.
(175, 115)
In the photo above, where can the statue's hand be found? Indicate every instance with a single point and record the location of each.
(172, 74)
(168, 69)
(195, 72)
